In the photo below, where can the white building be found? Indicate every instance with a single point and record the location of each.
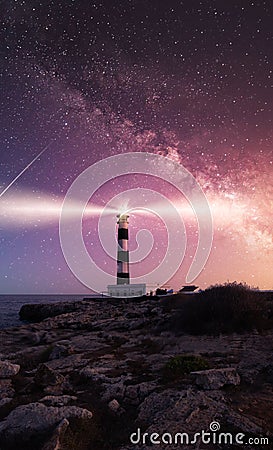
(126, 290)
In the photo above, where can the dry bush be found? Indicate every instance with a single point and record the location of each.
(227, 308)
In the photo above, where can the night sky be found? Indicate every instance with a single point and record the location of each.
(82, 81)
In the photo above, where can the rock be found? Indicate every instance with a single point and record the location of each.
(8, 370)
(6, 389)
(134, 394)
(169, 409)
(253, 364)
(28, 422)
(60, 351)
(115, 389)
(32, 337)
(114, 405)
(59, 389)
(46, 376)
(68, 363)
(38, 312)
(5, 401)
(155, 405)
(216, 378)
(244, 423)
(54, 443)
(57, 400)
(96, 373)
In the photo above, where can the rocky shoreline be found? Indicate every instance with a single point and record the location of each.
(87, 375)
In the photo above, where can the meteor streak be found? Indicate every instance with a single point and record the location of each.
(25, 169)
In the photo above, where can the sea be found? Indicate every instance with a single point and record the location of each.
(10, 306)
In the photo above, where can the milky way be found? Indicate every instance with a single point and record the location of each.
(190, 80)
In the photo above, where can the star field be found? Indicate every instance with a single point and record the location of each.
(191, 80)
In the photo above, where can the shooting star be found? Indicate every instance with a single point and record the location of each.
(25, 169)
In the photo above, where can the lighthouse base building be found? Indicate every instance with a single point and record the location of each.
(126, 290)
(123, 288)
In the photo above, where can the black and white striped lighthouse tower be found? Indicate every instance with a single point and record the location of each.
(123, 276)
(124, 288)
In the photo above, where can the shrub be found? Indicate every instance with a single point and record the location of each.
(181, 365)
(232, 307)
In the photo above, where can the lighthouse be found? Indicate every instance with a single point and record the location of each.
(123, 276)
(124, 288)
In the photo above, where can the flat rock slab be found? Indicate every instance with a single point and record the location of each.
(27, 421)
(58, 400)
(38, 312)
(216, 378)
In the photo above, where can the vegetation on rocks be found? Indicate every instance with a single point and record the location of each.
(227, 308)
(180, 365)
